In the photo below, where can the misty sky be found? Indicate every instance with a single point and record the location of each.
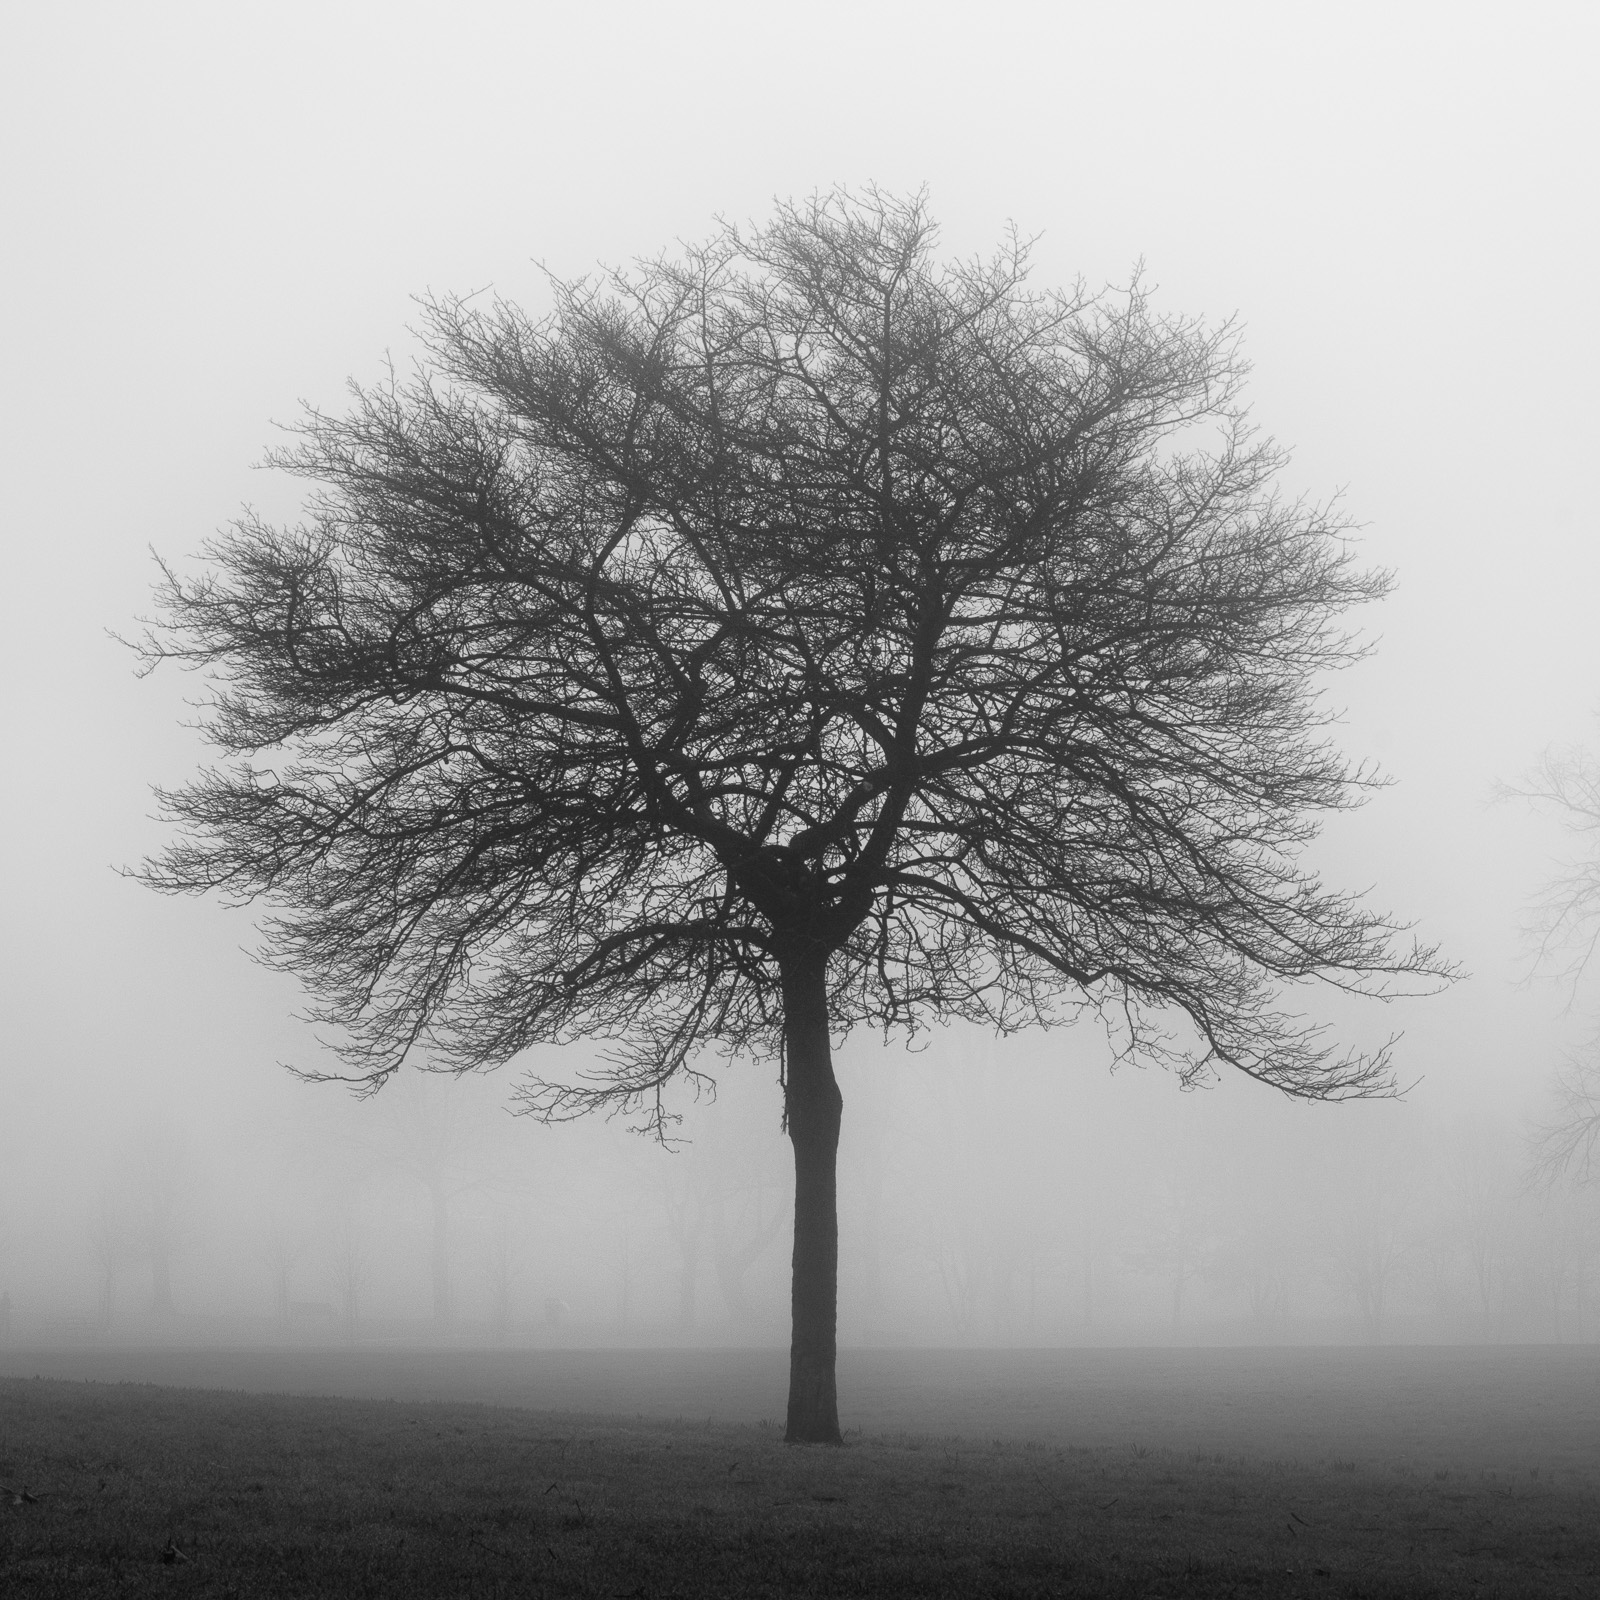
(211, 214)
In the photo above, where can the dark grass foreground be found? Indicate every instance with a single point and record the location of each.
(135, 1490)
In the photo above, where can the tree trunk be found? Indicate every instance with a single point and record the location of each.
(813, 1104)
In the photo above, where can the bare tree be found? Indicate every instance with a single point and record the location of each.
(1565, 924)
(501, 1273)
(1371, 1245)
(349, 1259)
(716, 1198)
(109, 1239)
(281, 1249)
(1565, 930)
(685, 1196)
(1177, 1243)
(1566, 1248)
(745, 1221)
(425, 1131)
(426, 1138)
(1481, 1195)
(159, 1198)
(1260, 1255)
(791, 635)
(1564, 1142)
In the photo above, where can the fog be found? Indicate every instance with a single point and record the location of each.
(213, 215)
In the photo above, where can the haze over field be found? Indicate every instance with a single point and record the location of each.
(216, 215)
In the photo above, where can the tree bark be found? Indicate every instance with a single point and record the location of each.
(813, 1105)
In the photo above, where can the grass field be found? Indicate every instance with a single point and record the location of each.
(1331, 1473)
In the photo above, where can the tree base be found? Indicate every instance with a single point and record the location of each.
(813, 1405)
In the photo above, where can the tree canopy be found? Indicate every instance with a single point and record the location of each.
(795, 633)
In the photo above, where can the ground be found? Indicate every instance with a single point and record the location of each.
(1207, 1473)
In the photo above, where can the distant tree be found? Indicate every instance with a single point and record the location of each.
(1563, 1256)
(109, 1239)
(1565, 932)
(1261, 1250)
(1563, 1143)
(160, 1200)
(685, 1199)
(1368, 1254)
(717, 1204)
(1176, 1243)
(788, 636)
(1565, 925)
(744, 1223)
(500, 1271)
(430, 1143)
(1479, 1202)
(348, 1263)
(1370, 1247)
(282, 1246)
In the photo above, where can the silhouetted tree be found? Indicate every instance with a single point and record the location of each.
(791, 635)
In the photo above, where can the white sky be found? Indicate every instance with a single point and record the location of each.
(209, 213)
